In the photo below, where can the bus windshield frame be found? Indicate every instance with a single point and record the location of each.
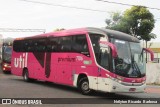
(130, 61)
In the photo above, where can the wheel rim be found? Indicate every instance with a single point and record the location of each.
(25, 76)
(85, 86)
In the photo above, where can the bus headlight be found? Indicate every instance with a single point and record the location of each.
(118, 79)
(143, 82)
(5, 65)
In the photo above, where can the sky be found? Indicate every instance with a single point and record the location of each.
(20, 14)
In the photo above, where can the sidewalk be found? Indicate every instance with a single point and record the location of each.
(152, 89)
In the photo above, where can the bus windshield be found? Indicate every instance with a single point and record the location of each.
(130, 62)
(7, 54)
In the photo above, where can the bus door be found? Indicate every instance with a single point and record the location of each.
(103, 61)
(101, 80)
(101, 52)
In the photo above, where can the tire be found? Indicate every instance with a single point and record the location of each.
(26, 75)
(6, 72)
(84, 86)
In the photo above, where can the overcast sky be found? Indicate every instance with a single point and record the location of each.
(23, 15)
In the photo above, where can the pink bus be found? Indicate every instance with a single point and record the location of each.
(86, 58)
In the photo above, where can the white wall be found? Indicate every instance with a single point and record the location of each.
(153, 73)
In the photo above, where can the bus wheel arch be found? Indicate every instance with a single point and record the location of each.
(83, 84)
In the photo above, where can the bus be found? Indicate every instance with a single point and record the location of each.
(6, 59)
(86, 58)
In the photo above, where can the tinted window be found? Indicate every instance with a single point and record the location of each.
(18, 46)
(52, 44)
(80, 45)
(101, 52)
(34, 45)
(28, 45)
(64, 44)
(39, 45)
(59, 44)
(74, 43)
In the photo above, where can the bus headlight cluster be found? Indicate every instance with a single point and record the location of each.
(119, 79)
(144, 82)
(5, 65)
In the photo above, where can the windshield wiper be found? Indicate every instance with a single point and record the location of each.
(134, 65)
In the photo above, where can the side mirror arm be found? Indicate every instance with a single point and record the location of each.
(151, 53)
(112, 46)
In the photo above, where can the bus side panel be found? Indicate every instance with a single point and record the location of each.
(64, 67)
(75, 64)
(53, 74)
(18, 62)
(35, 67)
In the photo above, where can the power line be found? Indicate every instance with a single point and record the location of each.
(127, 4)
(65, 6)
(21, 30)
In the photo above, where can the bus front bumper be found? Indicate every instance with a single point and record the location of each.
(117, 87)
(6, 67)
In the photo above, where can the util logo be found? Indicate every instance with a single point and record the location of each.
(21, 62)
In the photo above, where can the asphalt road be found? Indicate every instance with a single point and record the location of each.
(14, 87)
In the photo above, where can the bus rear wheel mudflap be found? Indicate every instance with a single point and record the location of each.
(84, 86)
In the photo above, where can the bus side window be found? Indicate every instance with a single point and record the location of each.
(40, 45)
(65, 44)
(18, 46)
(25, 45)
(29, 46)
(80, 44)
(52, 44)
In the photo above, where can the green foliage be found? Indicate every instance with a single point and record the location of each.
(115, 18)
(137, 21)
(59, 29)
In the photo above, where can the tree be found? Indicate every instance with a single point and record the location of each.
(140, 21)
(115, 18)
(59, 29)
(137, 21)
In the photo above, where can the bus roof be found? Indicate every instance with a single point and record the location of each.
(114, 34)
(109, 33)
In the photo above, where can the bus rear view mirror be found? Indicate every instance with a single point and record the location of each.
(112, 46)
(150, 52)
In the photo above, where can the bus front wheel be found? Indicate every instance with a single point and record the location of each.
(84, 86)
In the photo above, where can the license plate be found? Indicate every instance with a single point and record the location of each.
(132, 89)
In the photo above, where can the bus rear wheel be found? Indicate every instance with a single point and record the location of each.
(84, 86)
(26, 75)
